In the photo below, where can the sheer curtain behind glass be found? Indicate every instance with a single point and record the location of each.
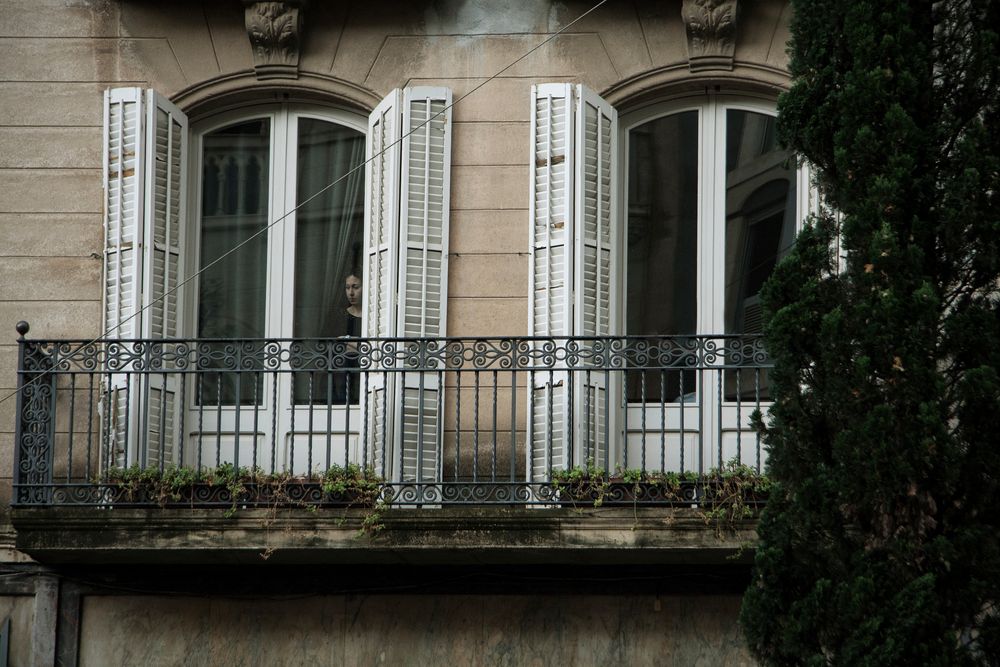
(328, 247)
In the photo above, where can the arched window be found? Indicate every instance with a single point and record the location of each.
(286, 280)
(710, 207)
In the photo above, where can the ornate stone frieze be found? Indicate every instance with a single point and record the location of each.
(275, 30)
(711, 33)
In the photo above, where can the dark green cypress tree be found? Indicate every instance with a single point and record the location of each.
(881, 542)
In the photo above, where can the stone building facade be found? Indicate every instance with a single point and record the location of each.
(468, 585)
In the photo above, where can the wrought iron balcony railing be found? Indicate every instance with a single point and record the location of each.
(425, 421)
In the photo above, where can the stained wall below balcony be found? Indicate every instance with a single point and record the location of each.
(400, 629)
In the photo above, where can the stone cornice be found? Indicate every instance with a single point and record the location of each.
(419, 536)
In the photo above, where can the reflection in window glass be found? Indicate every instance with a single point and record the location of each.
(328, 247)
(234, 205)
(662, 243)
(760, 226)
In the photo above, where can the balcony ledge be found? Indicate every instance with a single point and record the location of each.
(456, 535)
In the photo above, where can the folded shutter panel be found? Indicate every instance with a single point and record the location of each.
(124, 163)
(406, 249)
(164, 214)
(383, 149)
(123, 182)
(164, 223)
(595, 279)
(423, 269)
(550, 271)
(573, 274)
(145, 139)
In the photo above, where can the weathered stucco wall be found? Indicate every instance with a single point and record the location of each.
(19, 610)
(413, 630)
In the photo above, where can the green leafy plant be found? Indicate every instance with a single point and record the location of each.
(732, 493)
(352, 486)
(359, 486)
(581, 483)
(725, 496)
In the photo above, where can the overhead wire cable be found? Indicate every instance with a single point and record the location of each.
(43, 373)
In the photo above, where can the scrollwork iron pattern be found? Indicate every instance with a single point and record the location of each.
(399, 354)
(469, 493)
(35, 427)
(402, 494)
(308, 495)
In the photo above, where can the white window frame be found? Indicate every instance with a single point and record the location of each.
(701, 416)
(278, 308)
(281, 236)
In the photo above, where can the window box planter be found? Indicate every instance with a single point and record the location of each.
(243, 489)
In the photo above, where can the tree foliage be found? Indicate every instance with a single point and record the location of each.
(881, 542)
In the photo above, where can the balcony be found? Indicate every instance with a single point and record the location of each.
(451, 426)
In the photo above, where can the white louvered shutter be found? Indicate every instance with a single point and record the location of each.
(423, 270)
(145, 139)
(406, 248)
(123, 184)
(383, 149)
(164, 222)
(596, 276)
(573, 272)
(550, 271)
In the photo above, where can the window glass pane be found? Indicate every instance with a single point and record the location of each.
(760, 225)
(662, 242)
(234, 206)
(328, 247)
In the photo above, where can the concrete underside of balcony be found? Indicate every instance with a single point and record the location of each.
(456, 535)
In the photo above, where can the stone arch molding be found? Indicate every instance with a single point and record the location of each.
(240, 88)
(753, 79)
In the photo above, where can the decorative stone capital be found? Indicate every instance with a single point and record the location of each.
(711, 33)
(274, 29)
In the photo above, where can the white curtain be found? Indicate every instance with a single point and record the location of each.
(329, 228)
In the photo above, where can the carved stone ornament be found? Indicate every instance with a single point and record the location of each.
(274, 29)
(711, 33)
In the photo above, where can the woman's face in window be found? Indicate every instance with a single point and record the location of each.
(352, 288)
